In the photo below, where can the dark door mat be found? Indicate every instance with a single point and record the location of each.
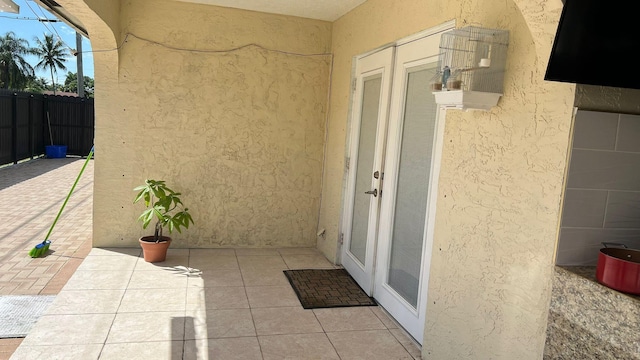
(327, 288)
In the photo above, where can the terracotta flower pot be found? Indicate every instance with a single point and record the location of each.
(152, 251)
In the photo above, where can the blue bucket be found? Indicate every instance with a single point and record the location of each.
(56, 151)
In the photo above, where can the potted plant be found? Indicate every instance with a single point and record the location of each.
(164, 205)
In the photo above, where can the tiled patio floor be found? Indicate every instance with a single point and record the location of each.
(204, 304)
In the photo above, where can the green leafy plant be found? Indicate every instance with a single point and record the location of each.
(162, 204)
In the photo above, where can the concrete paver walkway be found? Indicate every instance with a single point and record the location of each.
(31, 194)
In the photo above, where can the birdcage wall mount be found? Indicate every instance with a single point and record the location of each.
(471, 66)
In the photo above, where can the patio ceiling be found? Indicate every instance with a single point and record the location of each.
(328, 10)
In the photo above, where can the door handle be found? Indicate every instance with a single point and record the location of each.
(373, 192)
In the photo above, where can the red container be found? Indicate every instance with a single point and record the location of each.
(619, 269)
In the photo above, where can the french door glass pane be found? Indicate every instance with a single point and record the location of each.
(364, 171)
(414, 170)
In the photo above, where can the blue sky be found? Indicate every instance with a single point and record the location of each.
(28, 29)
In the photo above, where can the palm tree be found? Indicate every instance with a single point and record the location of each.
(52, 55)
(14, 69)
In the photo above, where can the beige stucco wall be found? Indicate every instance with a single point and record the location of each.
(239, 133)
(500, 182)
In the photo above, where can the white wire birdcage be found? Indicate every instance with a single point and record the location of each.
(472, 59)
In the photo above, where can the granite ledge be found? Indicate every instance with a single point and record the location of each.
(589, 274)
(588, 320)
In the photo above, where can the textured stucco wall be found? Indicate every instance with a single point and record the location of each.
(500, 182)
(239, 133)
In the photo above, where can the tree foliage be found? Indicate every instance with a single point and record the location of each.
(36, 85)
(14, 69)
(71, 84)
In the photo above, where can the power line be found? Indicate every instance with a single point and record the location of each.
(45, 26)
(34, 13)
(54, 28)
(28, 18)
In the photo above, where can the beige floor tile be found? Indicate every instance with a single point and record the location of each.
(58, 352)
(214, 262)
(95, 280)
(158, 280)
(143, 300)
(314, 261)
(297, 347)
(348, 318)
(408, 343)
(272, 252)
(69, 330)
(209, 309)
(369, 344)
(244, 348)
(213, 324)
(264, 277)
(271, 296)
(147, 326)
(285, 320)
(220, 297)
(86, 302)
(261, 262)
(177, 270)
(205, 253)
(108, 263)
(110, 251)
(143, 350)
(211, 278)
(175, 257)
(389, 322)
(298, 251)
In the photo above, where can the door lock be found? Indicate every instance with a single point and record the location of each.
(376, 174)
(373, 192)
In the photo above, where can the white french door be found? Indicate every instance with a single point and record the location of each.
(369, 118)
(408, 204)
(390, 202)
